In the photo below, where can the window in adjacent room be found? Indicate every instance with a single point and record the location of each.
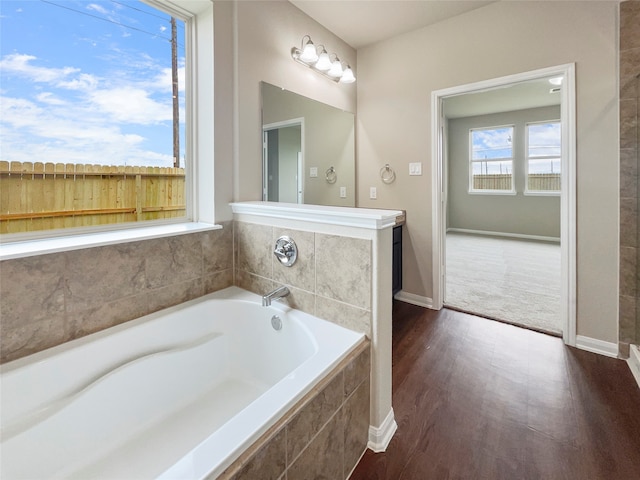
(93, 115)
(543, 157)
(491, 160)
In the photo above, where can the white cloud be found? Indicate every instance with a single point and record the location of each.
(19, 64)
(97, 8)
(131, 105)
(50, 99)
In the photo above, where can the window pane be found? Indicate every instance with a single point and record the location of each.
(492, 143)
(88, 114)
(544, 139)
(544, 162)
(496, 175)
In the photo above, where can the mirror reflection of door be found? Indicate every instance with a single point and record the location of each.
(282, 150)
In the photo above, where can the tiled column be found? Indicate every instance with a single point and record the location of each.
(629, 317)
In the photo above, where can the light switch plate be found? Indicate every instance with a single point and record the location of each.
(373, 193)
(415, 168)
(313, 171)
(343, 192)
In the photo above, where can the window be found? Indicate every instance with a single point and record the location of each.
(491, 160)
(97, 137)
(543, 157)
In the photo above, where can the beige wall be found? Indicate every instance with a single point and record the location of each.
(521, 214)
(397, 76)
(266, 32)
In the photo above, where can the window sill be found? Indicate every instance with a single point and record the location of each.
(44, 246)
(492, 192)
(542, 194)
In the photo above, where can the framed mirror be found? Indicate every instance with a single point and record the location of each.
(308, 150)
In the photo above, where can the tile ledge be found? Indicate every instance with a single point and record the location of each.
(368, 218)
(42, 246)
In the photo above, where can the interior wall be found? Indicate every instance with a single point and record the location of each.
(629, 317)
(265, 33)
(537, 215)
(397, 76)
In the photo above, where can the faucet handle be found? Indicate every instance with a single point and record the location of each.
(286, 251)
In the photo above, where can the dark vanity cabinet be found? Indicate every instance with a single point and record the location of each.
(396, 282)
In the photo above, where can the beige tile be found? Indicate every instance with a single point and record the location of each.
(623, 350)
(357, 371)
(629, 70)
(31, 338)
(313, 416)
(171, 295)
(100, 275)
(324, 457)
(343, 269)
(356, 425)
(32, 290)
(301, 274)
(108, 314)
(217, 281)
(254, 248)
(627, 321)
(628, 222)
(172, 260)
(628, 123)
(628, 269)
(347, 316)
(217, 249)
(253, 283)
(629, 24)
(301, 300)
(628, 172)
(268, 463)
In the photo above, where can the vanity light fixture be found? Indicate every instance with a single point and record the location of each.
(322, 63)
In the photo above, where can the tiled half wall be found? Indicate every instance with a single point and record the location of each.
(331, 279)
(323, 436)
(51, 299)
(629, 317)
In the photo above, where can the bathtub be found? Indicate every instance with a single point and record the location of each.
(179, 393)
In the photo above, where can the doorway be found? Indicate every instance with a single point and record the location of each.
(501, 88)
(282, 151)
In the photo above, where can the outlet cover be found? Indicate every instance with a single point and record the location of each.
(373, 193)
(313, 171)
(415, 168)
(343, 192)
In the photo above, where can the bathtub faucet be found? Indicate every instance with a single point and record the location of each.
(275, 294)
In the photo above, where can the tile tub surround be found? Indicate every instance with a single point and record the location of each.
(322, 436)
(629, 302)
(50, 299)
(331, 278)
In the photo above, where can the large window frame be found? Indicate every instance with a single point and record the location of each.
(527, 158)
(198, 18)
(473, 162)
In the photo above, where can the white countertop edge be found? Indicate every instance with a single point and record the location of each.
(44, 246)
(373, 219)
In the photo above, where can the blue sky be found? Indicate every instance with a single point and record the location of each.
(87, 82)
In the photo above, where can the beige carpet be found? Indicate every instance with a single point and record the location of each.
(516, 281)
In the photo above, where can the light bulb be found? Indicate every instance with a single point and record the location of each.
(336, 69)
(347, 76)
(324, 62)
(309, 54)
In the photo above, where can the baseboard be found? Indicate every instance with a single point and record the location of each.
(634, 362)
(594, 345)
(379, 437)
(538, 238)
(414, 299)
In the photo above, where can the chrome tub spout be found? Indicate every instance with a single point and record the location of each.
(273, 295)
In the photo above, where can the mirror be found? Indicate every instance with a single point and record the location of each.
(308, 150)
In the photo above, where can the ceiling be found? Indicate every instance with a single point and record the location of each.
(364, 22)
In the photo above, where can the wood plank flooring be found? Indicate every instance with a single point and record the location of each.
(479, 399)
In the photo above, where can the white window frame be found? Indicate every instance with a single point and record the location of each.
(539, 193)
(198, 18)
(474, 191)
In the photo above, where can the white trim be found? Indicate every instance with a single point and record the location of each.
(379, 437)
(634, 362)
(414, 299)
(594, 345)
(568, 194)
(67, 243)
(538, 238)
(367, 218)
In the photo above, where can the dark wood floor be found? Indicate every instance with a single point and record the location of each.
(479, 399)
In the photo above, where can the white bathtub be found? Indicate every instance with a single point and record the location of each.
(176, 394)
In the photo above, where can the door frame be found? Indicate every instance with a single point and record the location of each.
(567, 196)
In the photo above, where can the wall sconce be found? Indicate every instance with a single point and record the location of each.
(325, 64)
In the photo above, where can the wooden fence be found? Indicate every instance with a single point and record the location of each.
(536, 182)
(44, 196)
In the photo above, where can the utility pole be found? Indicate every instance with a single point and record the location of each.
(176, 105)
